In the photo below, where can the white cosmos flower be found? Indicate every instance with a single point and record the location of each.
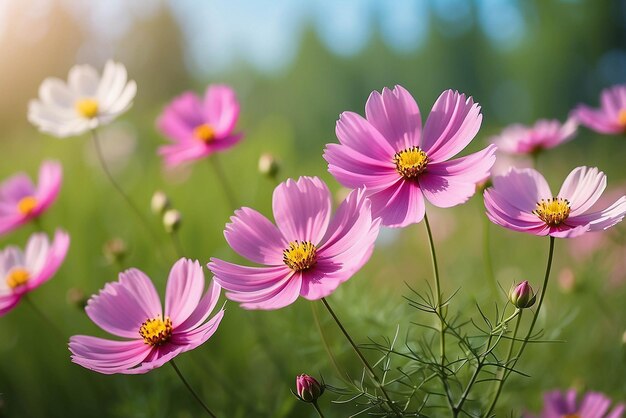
(85, 102)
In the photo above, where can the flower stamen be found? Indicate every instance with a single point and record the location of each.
(552, 211)
(410, 162)
(204, 133)
(87, 108)
(27, 205)
(300, 256)
(17, 277)
(156, 331)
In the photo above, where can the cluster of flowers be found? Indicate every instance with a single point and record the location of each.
(391, 163)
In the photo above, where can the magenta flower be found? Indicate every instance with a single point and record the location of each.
(545, 134)
(399, 165)
(130, 308)
(21, 201)
(308, 254)
(610, 118)
(199, 127)
(23, 272)
(593, 405)
(521, 200)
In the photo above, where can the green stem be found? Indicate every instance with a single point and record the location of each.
(532, 324)
(317, 408)
(468, 388)
(332, 358)
(439, 310)
(360, 355)
(219, 172)
(178, 246)
(195, 395)
(488, 263)
(506, 321)
(119, 189)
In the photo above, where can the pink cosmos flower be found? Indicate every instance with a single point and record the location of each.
(545, 134)
(399, 164)
(593, 405)
(610, 118)
(23, 272)
(198, 127)
(130, 308)
(21, 201)
(308, 254)
(522, 201)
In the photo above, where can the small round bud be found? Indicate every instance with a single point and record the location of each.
(159, 203)
(522, 296)
(308, 389)
(268, 165)
(115, 250)
(171, 220)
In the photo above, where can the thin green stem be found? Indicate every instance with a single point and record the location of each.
(119, 189)
(317, 408)
(195, 395)
(488, 263)
(506, 321)
(219, 172)
(439, 310)
(332, 358)
(360, 355)
(532, 324)
(176, 243)
(459, 406)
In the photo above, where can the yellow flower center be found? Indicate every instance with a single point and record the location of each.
(410, 162)
(27, 205)
(87, 108)
(300, 255)
(552, 211)
(17, 277)
(156, 331)
(204, 133)
(621, 118)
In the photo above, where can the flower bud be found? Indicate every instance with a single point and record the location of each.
(159, 203)
(115, 250)
(522, 295)
(171, 220)
(268, 165)
(308, 389)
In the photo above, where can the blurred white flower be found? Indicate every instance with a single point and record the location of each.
(85, 102)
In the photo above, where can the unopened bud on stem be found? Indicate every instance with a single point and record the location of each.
(522, 296)
(268, 165)
(171, 220)
(159, 203)
(308, 389)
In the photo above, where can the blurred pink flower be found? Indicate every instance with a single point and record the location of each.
(545, 134)
(130, 308)
(23, 272)
(198, 127)
(557, 404)
(521, 200)
(308, 254)
(610, 118)
(399, 165)
(21, 201)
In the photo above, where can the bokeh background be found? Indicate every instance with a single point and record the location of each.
(296, 66)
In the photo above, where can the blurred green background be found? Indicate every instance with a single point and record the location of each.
(296, 66)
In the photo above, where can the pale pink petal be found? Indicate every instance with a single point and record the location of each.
(302, 209)
(280, 295)
(221, 108)
(582, 188)
(184, 290)
(357, 133)
(176, 154)
(13, 189)
(8, 302)
(50, 177)
(601, 220)
(523, 188)
(399, 205)
(197, 336)
(121, 307)
(322, 280)
(238, 278)
(254, 237)
(36, 252)
(107, 356)
(203, 310)
(157, 357)
(54, 256)
(452, 123)
(594, 405)
(617, 412)
(395, 114)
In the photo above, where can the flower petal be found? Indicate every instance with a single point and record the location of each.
(238, 278)
(583, 187)
(13, 189)
(121, 307)
(302, 209)
(601, 220)
(452, 123)
(282, 294)
(355, 132)
(50, 178)
(83, 80)
(184, 290)
(395, 114)
(254, 237)
(192, 339)
(203, 310)
(54, 256)
(107, 356)
(399, 205)
(221, 108)
(522, 188)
